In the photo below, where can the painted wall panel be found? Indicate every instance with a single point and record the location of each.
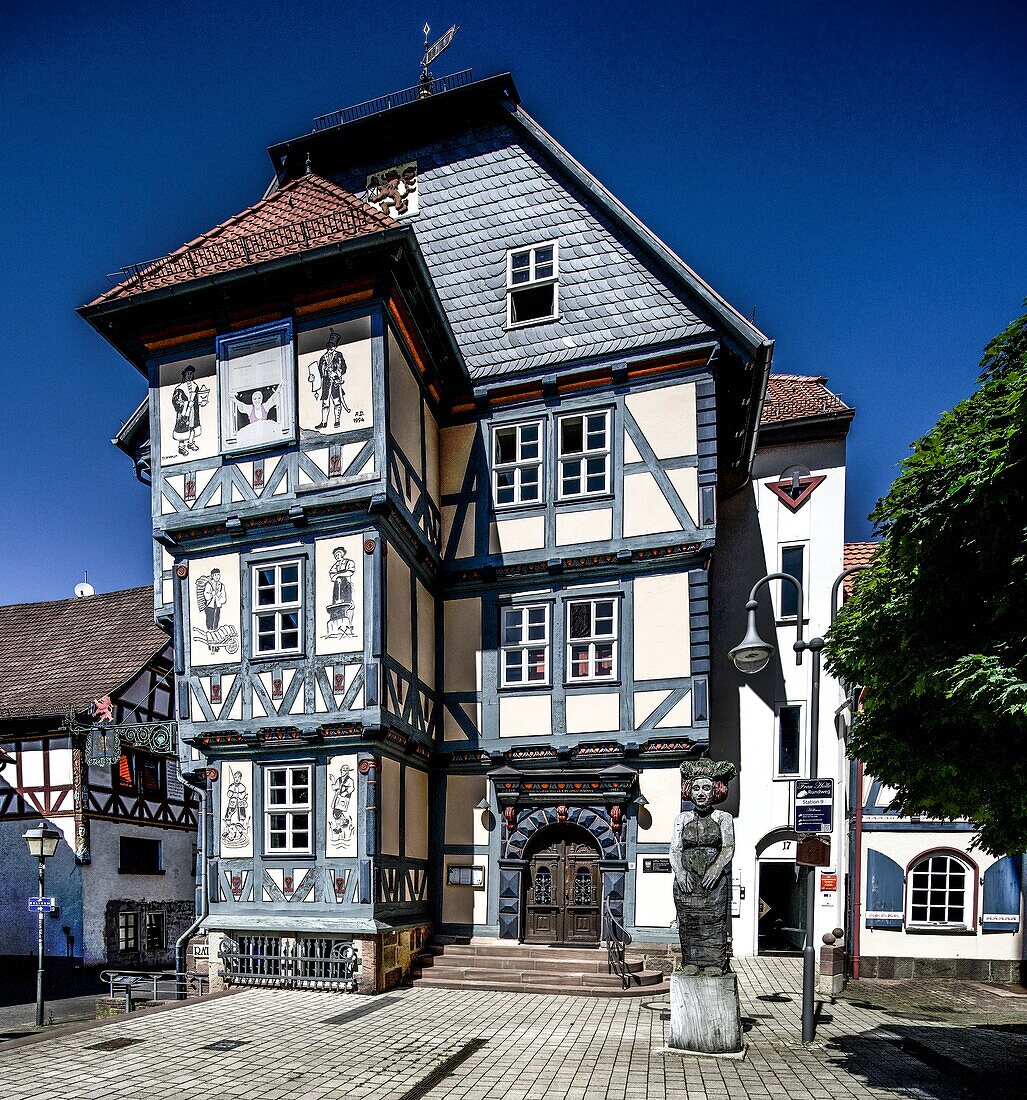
(399, 610)
(431, 453)
(214, 609)
(235, 823)
(339, 568)
(507, 536)
(463, 823)
(465, 904)
(415, 814)
(342, 817)
(425, 636)
(334, 372)
(188, 410)
(456, 443)
(598, 713)
(463, 644)
(592, 525)
(390, 806)
(661, 626)
(404, 404)
(524, 716)
(662, 788)
(666, 417)
(646, 511)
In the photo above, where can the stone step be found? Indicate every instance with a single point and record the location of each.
(515, 963)
(522, 951)
(530, 977)
(658, 989)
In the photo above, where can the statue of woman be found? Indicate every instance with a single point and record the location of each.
(701, 849)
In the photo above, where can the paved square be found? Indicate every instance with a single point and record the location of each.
(432, 1043)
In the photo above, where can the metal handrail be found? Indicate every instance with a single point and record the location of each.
(616, 937)
(392, 99)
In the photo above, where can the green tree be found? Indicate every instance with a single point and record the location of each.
(936, 628)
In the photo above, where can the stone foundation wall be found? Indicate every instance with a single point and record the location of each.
(386, 958)
(977, 970)
(662, 957)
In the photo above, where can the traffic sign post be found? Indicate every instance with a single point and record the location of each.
(813, 806)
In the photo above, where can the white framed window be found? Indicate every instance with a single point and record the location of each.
(256, 387)
(524, 646)
(591, 639)
(517, 463)
(532, 284)
(793, 562)
(788, 745)
(128, 931)
(583, 451)
(277, 602)
(287, 809)
(940, 892)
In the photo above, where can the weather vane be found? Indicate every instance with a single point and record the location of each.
(427, 81)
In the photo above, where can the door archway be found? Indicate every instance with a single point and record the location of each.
(563, 887)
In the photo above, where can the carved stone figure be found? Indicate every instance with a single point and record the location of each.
(701, 849)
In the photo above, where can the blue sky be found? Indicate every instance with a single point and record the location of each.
(854, 172)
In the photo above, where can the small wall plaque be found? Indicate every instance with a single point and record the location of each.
(656, 866)
(465, 876)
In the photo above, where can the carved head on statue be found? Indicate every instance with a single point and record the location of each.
(704, 782)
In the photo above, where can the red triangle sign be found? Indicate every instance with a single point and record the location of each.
(794, 494)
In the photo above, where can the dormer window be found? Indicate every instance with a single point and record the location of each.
(532, 282)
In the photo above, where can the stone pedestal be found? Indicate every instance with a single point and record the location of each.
(705, 1016)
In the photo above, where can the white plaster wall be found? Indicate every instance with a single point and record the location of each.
(509, 535)
(661, 787)
(903, 848)
(18, 882)
(589, 525)
(465, 904)
(527, 715)
(200, 652)
(103, 882)
(666, 416)
(587, 714)
(750, 541)
(399, 609)
(464, 824)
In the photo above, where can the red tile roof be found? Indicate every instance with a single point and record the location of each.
(858, 553)
(66, 653)
(306, 213)
(799, 397)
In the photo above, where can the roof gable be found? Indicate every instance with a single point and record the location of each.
(305, 213)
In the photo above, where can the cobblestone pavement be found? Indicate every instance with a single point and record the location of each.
(424, 1044)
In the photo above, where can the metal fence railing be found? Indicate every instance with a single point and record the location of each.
(307, 962)
(393, 99)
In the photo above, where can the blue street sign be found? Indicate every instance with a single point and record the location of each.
(814, 805)
(42, 905)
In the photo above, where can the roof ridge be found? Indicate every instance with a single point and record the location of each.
(77, 599)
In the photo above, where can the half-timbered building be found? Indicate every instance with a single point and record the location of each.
(123, 876)
(437, 431)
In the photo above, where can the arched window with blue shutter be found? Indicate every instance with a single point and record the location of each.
(884, 898)
(1002, 896)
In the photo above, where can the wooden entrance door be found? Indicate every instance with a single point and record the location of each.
(562, 904)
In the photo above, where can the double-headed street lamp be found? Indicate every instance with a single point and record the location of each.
(752, 655)
(42, 842)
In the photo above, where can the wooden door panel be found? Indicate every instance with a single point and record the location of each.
(563, 895)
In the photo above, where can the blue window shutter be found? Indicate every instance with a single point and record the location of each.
(1001, 911)
(885, 882)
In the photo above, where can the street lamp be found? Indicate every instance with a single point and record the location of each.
(42, 842)
(752, 655)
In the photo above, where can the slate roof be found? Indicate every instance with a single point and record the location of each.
(799, 397)
(491, 189)
(66, 653)
(306, 213)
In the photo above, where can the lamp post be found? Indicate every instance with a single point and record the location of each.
(752, 655)
(42, 842)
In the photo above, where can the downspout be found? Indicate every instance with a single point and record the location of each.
(182, 941)
(857, 868)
